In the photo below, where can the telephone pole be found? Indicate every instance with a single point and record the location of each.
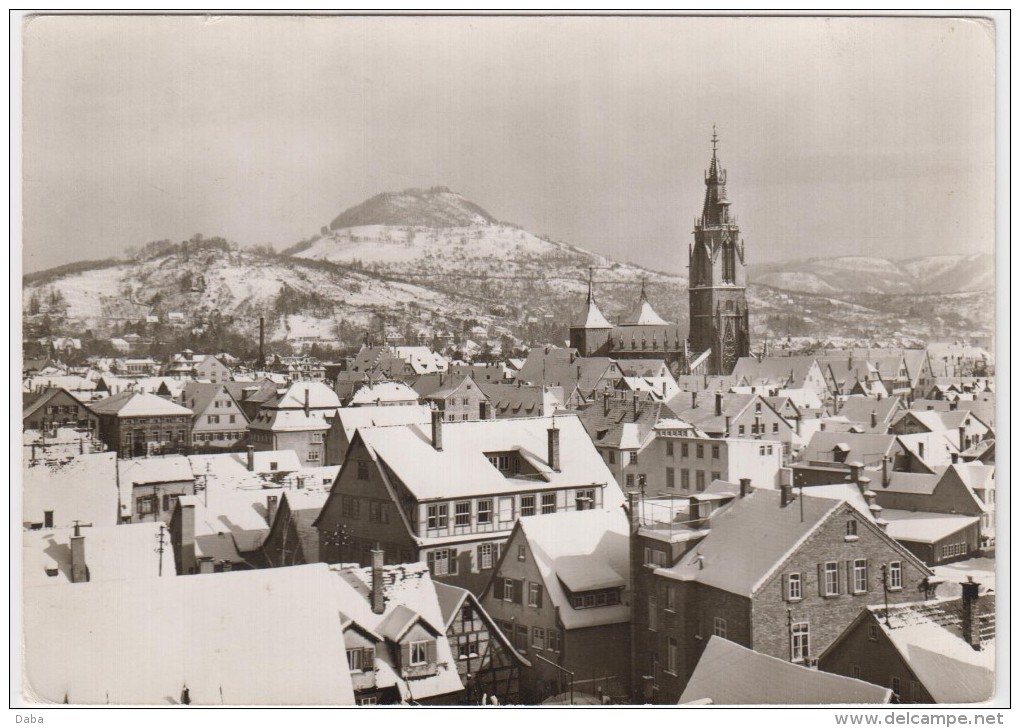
(159, 549)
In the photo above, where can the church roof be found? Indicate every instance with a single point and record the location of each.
(644, 314)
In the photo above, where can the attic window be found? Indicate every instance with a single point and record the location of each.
(273, 465)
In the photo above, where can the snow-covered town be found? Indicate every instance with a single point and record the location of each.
(426, 457)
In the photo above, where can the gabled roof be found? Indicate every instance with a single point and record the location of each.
(320, 397)
(924, 527)
(353, 418)
(83, 489)
(453, 385)
(859, 410)
(643, 314)
(564, 368)
(383, 392)
(704, 415)
(452, 598)
(160, 469)
(238, 638)
(462, 468)
(290, 420)
(519, 400)
(789, 371)
(199, 396)
(618, 428)
(730, 674)
(865, 448)
(589, 549)
(133, 404)
(44, 398)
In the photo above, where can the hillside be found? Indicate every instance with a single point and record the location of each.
(856, 274)
(422, 262)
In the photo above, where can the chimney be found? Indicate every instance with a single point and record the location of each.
(378, 601)
(251, 458)
(886, 463)
(955, 457)
(79, 570)
(963, 437)
(637, 406)
(227, 565)
(632, 512)
(855, 471)
(47, 519)
(306, 401)
(187, 545)
(205, 565)
(727, 431)
(437, 429)
(874, 419)
(262, 342)
(272, 502)
(952, 406)
(573, 355)
(821, 427)
(718, 404)
(694, 400)
(605, 403)
(745, 487)
(969, 622)
(785, 495)
(554, 447)
(483, 410)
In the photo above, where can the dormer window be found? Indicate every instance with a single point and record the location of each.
(419, 653)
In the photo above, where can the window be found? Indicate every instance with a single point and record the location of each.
(170, 502)
(799, 642)
(630, 480)
(354, 660)
(654, 557)
(855, 671)
(508, 590)
(436, 516)
(146, 505)
(538, 638)
(612, 457)
(716, 475)
(419, 652)
(851, 529)
(669, 449)
(485, 551)
(775, 427)
(915, 691)
(653, 614)
(467, 646)
(894, 683)
(522, 552)
(683, 449)
(895, 575)
(672, 652)
(214, 419)
(548, 503)
(633, 457)
(552, 640)
(715, 452)
(830, 579)
(350, 506)
(685, 480)
(527, 505)
(860, 575)
(740, 430)
(670, 597)
(234, 421)
(873, 632)
(362, 470)
(584, 499)
(313, 456)
(462, 514)
(467, 614)
(700, 480)
(506, 511)
(793, 587)
(485, 511)
(670, 478)
(521, 639)
(719, 627)
(443, 562)
(700, 451)
(534, 594)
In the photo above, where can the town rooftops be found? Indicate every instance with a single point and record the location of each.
(866, 448)
(239, 638)
(319, 397)
(563, 367)
(924, 527)
(290, 420)
(589, 549)
(730, 674)
(126, 551)
(354, 418)
(83, 489)
(383, 392)
(513, 400)
(618, 428)
(860, 409)
(788, 371)
(135, 404)
(462, 467)
(197, 396)
(44, 397)
(162, 469)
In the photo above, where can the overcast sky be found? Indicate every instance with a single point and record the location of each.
(841, 136)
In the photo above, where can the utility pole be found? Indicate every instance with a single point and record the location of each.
(159, 549)
(885, 591)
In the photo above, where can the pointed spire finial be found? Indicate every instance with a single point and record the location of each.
(591, 283)
(715, 140)
(644, 280)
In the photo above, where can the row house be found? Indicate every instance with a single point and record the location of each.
(622, 426)
(219, 422)
(678, 462)
(136, 425)
(449, 495)
(927, 652)
(300, 368)
(778, 573)
(727, 414)
(561, 593)
(56, 407)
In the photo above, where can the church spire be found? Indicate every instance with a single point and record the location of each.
(715, 210)
(593, 318)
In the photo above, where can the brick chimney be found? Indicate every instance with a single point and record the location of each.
(605, 403)
(969, 623)
(952, 406)
(694, 400)
(554, 447)
(227, 565)
(963, 437)
(251, 458)
(745, 487)
(637, 406)
(718, 404)
(306, 401)
(272, 501)
(437, 429)
(205, 565)
(886, 470)
(632, 511)
(954, 457)
(874, 419)
(187, 544)
(378, 600)
(79, 569)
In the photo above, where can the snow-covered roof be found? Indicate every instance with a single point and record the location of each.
(384, 392)
(320, 397)
(462, 468)
(924, 527)
(161, 469)
(590, 549)
(229, 523)
(126, 551)
(730, 674)
(238, 638)
(848, 492)
(82, 489)
(137, 404)
(354, 418)
(290, 420)
(69, 382)
(234, 465)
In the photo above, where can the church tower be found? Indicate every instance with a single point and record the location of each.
(718, 281)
